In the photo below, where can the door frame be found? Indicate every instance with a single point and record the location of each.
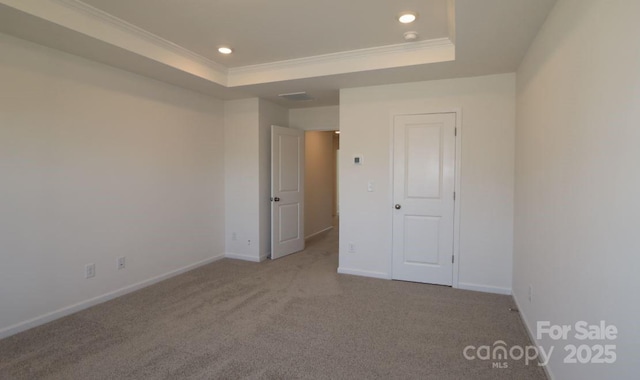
(458, 157)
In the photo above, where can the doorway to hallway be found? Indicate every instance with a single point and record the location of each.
(321, 186)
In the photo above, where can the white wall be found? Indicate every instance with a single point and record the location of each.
(269, 114)
(242, 178)
(97, 163)
(316, 118)
(320, 181)
(248, 175)
(488, 123)
(577, 182)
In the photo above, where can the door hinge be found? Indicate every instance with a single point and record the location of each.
(453, 259)
(455, 133)
(454, 195)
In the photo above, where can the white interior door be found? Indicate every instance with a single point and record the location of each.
(287, 191)
(423, 195)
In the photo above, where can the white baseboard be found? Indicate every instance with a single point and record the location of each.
(532, 335)
(48, 317)
(484, 288)
(364, 273)
(238, 256)
(319, 232)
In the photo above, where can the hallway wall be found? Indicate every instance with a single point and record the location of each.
(320, 181)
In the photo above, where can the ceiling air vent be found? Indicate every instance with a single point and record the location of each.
(296, 96)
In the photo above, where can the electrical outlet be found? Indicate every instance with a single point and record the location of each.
(249, 242)
(530, 292)
(90, 270)
(121, 262)
(352, 248)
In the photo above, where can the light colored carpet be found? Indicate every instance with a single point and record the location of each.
(292, 318)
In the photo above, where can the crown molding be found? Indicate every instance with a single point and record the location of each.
(351, 54)
(376, 58)
(102, 16)
(85, 19)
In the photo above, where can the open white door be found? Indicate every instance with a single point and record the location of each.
(287, 191)
(424, 154)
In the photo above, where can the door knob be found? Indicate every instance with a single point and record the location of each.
(276, 199)
(398, 207)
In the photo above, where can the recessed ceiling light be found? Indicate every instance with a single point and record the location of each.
(407, 17)
(337, 132)
(225, 50)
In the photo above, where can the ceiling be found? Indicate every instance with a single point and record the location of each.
(275, 30)
(283, 46)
